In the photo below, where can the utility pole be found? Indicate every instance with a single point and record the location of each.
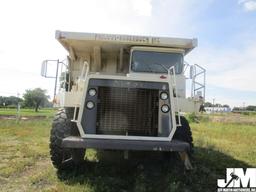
(18, 107)
(213, 105)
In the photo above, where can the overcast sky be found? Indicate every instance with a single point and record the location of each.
(226, 31)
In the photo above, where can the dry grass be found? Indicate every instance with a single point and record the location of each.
(25, 164)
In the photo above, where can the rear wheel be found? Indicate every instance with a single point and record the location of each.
(62, 127)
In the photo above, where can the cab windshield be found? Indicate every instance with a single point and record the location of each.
(156, 62)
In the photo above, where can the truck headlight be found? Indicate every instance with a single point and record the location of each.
(89, 105)
(165, 108)
(92, 92)
(164, 96)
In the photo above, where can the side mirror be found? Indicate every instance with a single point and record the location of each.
(49, 68)
(44, 68)
(191, 71)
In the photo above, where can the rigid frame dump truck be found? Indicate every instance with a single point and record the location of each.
(123, 92)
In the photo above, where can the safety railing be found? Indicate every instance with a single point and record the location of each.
(172, 78)
(198, 76)
(197, 85)
(83, 76)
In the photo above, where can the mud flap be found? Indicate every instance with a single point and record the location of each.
(185, 158)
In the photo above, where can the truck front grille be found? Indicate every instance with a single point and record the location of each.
(127, 111)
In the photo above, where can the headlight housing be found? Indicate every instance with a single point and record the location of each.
(89, 105)
(92, 92)
(165, 108)
(164, 95)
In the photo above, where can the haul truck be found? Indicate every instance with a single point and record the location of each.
(123, 92)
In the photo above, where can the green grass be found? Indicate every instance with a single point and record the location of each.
(25, 164)
(232, 139)
(22, 144)
(28, 112)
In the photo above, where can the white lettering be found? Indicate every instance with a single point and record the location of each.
(236, 177)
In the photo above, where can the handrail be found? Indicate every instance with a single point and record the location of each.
(83, 76)
(198, 72)
(84, 73)
(172, 78)
(200, 85)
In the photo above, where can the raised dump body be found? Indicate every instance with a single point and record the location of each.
(111, 53)
(126, 92)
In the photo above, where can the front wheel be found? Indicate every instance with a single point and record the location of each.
(184, 133)
(62, 127)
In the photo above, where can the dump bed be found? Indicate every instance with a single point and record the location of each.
(79, 43)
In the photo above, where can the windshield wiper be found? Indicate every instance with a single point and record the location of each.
(149, 68)
(159, 64)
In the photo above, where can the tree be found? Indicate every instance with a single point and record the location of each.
(35, 98)
(208, 104)
(237, 109)
(226, 105)
(10, 101)
(217, 105)
(251, 108)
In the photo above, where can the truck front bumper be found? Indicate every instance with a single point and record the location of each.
(115, 144)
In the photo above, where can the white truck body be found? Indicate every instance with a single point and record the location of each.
(89, 47)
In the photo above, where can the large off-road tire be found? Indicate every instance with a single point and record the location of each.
(184, 133)
(63, 127)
